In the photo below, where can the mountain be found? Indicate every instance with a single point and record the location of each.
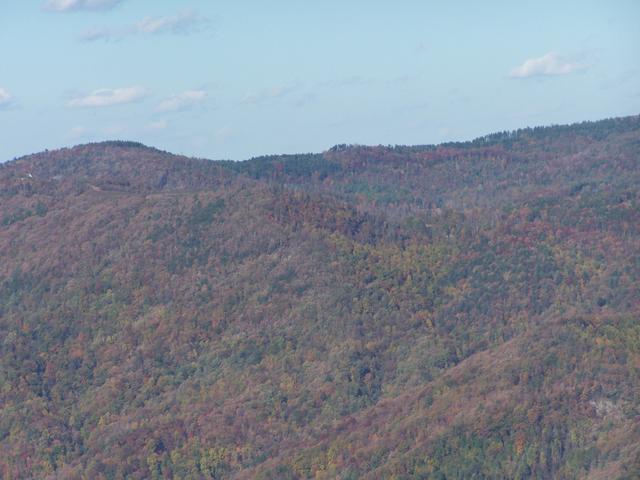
(466, 310)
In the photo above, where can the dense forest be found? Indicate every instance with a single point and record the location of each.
(460, 311)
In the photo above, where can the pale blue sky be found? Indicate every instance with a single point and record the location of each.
(234, 79)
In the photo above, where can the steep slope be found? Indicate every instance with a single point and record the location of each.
(461, 311)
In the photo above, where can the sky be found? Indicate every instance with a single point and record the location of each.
(236, 79)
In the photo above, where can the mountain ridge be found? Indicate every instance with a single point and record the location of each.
(626, 123)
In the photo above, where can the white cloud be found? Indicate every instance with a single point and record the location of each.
(254, 98)
(75, 5)
(182, 101)
(182, 23)
(6, 100)
(107, 97)
(550, 64)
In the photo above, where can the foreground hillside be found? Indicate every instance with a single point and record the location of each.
(459, 311)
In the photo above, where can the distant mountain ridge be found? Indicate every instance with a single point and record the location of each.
(465, 310)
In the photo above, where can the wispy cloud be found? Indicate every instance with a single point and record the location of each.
(77, 5)
(182, 23)
(267, 94)
(551, 64)
(182, 101)
(6, 100)
(107, 97)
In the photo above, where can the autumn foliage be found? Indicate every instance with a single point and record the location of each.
(465, 310)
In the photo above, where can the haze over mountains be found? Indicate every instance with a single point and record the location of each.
(467, 310)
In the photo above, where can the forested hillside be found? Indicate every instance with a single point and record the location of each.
(466, 310)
